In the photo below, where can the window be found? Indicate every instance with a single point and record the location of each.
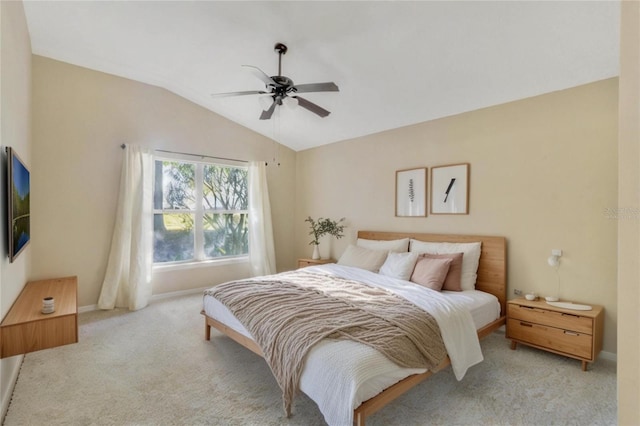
(200, 211)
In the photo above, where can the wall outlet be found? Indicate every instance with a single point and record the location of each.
(556, 252)
(517, 292)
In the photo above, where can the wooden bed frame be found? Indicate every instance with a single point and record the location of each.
(492, 278)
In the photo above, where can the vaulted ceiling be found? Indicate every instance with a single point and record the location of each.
(396, 63)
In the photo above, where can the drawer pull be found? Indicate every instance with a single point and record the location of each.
(524, 324)
(570, 315)
(571, 333)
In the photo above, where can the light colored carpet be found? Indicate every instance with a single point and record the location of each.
(153, 367)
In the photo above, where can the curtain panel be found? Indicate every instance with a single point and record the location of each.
(127, 282)
(261, 248)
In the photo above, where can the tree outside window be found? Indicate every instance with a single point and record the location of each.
(200, 211)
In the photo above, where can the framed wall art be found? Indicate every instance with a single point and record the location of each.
(411, 192)
(450, 189)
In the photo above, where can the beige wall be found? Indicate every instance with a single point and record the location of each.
(80, 118)
(629, 223)
(543, 171)
(15, 131)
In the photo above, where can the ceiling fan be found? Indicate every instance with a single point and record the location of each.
(279, 88)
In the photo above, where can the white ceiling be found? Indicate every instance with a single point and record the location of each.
(396, 63)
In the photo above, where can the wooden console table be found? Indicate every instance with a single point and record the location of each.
(26, 329)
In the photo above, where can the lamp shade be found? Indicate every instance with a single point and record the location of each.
(290, 102)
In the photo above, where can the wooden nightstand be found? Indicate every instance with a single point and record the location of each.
(576, 334)
(303, 263)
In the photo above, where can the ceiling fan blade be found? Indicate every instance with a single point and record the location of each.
(268, 113)
(316, 87)
(312, 107)
(261, 75)
(249, 92)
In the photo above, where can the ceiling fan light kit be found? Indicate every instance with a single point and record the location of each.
(282, 90)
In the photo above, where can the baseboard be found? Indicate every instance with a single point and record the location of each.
(87, 308)
(609, 356)
(155, 297)
(178, 293)
(6, 398)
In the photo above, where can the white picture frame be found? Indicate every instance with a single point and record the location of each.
(450, 189)
(411, 192)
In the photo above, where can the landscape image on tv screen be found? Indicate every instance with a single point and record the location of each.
(19, 210)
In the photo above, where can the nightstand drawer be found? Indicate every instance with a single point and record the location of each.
(557, 339)
(554, 319)
(303, 263)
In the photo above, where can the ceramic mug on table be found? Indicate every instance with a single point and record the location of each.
(48, 305)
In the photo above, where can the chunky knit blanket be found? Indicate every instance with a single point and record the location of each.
(290, 312)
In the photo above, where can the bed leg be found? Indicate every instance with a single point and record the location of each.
(358, 419)
(207, 330)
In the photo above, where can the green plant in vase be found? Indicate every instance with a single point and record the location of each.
(322, 227)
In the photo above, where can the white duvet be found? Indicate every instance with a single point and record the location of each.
(340, 374)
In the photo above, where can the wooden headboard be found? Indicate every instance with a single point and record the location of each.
(492, 269)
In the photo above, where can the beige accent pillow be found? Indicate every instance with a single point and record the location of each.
(470, 260)
(362, 258)
(399, 265)
(396, 246)
(452, 282)
(431, 272)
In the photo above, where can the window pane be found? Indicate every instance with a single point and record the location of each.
(174, 185)
(173, 237)
(225, 188)
(226, 235)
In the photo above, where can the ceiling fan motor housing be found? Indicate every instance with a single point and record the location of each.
(283, 86)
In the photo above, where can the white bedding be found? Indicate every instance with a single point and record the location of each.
(340, 374)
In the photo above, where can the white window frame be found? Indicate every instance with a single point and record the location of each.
(199, 259)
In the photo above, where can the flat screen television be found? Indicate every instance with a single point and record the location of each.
(18, 193)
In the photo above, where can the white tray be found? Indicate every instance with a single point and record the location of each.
(569, 305)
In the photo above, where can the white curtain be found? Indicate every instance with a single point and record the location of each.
(261, 251)
(127, 282)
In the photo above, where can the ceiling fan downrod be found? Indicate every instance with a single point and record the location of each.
(281, 49)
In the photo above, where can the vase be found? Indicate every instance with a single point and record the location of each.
(316, 252)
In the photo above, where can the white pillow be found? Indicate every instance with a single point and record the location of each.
(396, 246)
(362, 258)
(399, 265)
(470, 259)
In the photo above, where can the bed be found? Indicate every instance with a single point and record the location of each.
(372, 392)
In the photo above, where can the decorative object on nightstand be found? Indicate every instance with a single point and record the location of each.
(303, 263)
(572, 333)
(554, 262)
(322, 227)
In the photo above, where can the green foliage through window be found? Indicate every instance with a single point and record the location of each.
(200, 211)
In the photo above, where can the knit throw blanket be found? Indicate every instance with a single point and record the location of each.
(289, 312)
